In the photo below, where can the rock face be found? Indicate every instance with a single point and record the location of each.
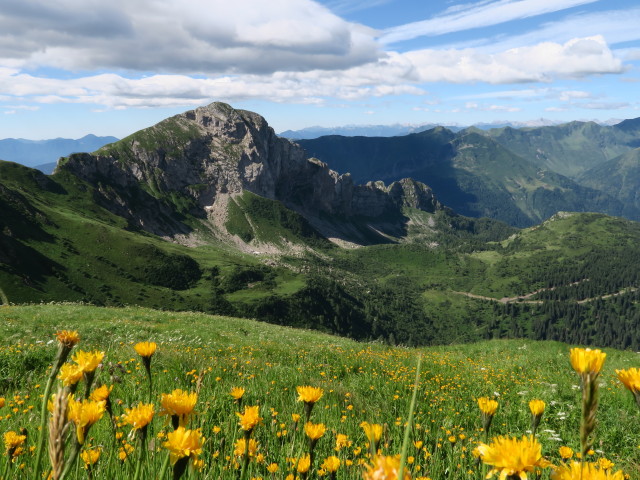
(188, 163)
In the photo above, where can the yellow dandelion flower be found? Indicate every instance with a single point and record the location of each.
(331, 464)
(101, 393)
(385, 468)
(586, 361)
(145, 349)
(309, 394)
(84, 414)
(295, 417)
(183, 443)
(250, 418)
(68, 338)
(2, 402)
(373, 431)
(487, 406)
(630, 378)
(304, 464)
(605, 464)
(88, 361)
(584, 471)
(537, 407)
(512, 457)
(90, 456)
(13, 442)
(70, 374)
(314, 430)
(565, 452)
(237, 393)
(342, 441)
(272, 468)
(139, 417)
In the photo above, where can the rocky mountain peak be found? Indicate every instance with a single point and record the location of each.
(190, 164)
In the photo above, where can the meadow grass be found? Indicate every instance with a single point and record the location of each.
(361, 382)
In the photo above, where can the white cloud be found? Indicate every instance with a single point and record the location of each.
(481, 14)
(198, 36)
(543, 62)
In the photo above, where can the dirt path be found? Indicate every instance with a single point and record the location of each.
(523, 298)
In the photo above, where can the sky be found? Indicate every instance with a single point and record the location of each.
(73, 67)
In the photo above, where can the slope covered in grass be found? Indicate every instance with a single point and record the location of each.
(360, 381)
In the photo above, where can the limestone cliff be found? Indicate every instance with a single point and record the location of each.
(186, 166)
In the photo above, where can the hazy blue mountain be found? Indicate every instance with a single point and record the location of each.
(360, 131)
(35, 153)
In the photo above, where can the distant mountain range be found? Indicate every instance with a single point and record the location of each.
(404, 129)
(43, 154)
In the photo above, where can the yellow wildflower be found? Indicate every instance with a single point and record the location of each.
(145, 349)
(512, 457)
(331, 464)
(241, 447)
(272, 468)
(385, 468)
(250, 418)
(178, 404)
(70, 374)
(183, 443)
(13, 442)
(237, 393)
(537, 407)
(584, 471)
(304, 464)
(487, 406)
(139, 417)
(373, 431)
(586, 361)
(90, 456)
(314, 430)
(68, 338)
(101, 393)
(84, 414)
(309, 394)
(88, 361)
(565, 452)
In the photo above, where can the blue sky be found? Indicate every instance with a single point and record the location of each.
(73, 67)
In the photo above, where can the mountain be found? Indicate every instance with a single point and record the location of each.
(358, 131)
(572, 148)
(190, 169)
(211, 211)
(619, 176)
(37, 153)
(469, 171)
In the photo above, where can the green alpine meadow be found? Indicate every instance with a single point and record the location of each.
(207, 299)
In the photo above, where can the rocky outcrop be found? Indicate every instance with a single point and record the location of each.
(159, 176)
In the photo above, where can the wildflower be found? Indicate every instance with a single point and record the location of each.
(101, 393)
(84, 414)
(488, 409)
(537, 409)
(250, 418)
(88, 361)
(309, 395)
(631, 379)
(341, 441)
(179, 405)
(90, 456)
(272, 468)
(145, 349)
(331, 465)
(183, 445)
(314, 430)
(70, 374)
(13, 442)
(605, 464)
(512, 457)
(373, 431)
(565, 452)
(2, 402)
(304, 464)
(68, 338)
(586, 361)
(139, 417)
(242, 447)
(385, 468)
(237, 393)
(584, 471)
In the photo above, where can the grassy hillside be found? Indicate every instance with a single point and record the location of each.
(360, 382)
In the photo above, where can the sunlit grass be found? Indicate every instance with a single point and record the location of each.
(214, 357)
